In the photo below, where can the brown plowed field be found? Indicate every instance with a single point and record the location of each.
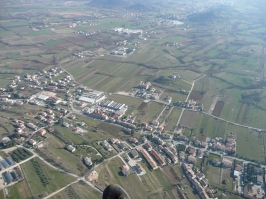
(78, 39)
(86, 75)
(172, 175)
(196, 95)
(218, 108)
(142, 106)
(189, 119)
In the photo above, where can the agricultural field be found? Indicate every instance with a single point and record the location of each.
(109, 173)
(79, 190)
(188, 119)
(54, 150)
(20, 190)
(151, 112)
(42, 179)
(172, 120)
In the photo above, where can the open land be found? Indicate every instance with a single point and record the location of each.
(214, 58)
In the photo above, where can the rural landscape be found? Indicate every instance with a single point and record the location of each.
(166, 99)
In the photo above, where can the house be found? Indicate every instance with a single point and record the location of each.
(121, 145)
(42, 132)
(191, 151)
(227, 163)
(200, 153)
(32, 142)
(125, 170)
(182, 155)
(106, 145)
(192, 159)
(133, 140)
(139, 168)
(72, 116)
(259, 180)
(155, 123)
(134, 154)
(115, 141)
(87, 161)
(238, 167)
(216, 162)
(70, 148)
(148, 146)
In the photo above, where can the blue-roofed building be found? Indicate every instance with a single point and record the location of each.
(8, 178)
(14, 175)
(4, 163)
(9, 161)
(1, 167)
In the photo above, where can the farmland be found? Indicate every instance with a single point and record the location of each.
(207, 58)
(78, 190)
(43, 179)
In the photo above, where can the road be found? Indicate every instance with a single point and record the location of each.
(183, 109)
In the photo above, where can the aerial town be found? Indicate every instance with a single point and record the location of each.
(165, 99)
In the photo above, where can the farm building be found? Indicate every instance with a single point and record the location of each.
(87, 161)
(71, 148)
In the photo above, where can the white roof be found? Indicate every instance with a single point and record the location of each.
(42, 97)
(87, 100)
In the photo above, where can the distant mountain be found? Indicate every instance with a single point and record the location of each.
(109, 3)
(139, 7)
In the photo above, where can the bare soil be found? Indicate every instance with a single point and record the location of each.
(218, 108)
(142, 106)
(196, 95)
(189, 119)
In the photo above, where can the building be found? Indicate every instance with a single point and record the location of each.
(227, 163)
(170, 154)
(125, 170)
(115, 141)
(107, 146)
(71, 149)
(140, 170)
(87, 161)
(149, 159)
(133, 140)
(192, 159)
(148, 146)
(158, 157)
(134, 154)
(32, 142)
(42, 132)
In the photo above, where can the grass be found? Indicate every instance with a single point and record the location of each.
(19, 191)
(214, 175)
(172, 120)
(2, 195)
(109, 173)
(151, 112)
(249, 145)
(56, 150)
(79, 189)
(50, 43)
(57, 180)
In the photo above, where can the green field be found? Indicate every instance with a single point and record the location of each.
(172, 120)
(20, 190)
(69, 161)
(56, 180)
(110, 173)
(78, 190)
(151, 112)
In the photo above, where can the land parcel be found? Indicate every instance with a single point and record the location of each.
(43, 179)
